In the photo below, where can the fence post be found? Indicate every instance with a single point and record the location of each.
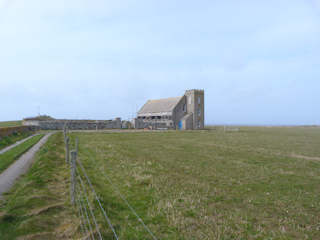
(67, 149)
(77, 144)
(64, 134)
(73, 175)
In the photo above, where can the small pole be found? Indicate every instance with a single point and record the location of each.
(77, 145)
(67, 150)
(64, 133)
(73, 175)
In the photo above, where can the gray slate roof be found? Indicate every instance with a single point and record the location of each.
(165, 105)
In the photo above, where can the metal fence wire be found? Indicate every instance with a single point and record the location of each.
(82, 193)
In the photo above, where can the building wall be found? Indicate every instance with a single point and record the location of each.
(30, 122)
(191, 105)
(187, 122)
(195, 105)
(79, 124)
(179, 112)
(152, 124)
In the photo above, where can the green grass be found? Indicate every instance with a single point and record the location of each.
(11, 124)
(7, 141)
(7, 158)
(38, 206)
(259, 183)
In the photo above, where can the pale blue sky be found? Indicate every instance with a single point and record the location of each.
(258, 61)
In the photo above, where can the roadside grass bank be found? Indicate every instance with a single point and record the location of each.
(38, 206)
(7, 158)
(11, 124)
(208, 184)
(7, 141)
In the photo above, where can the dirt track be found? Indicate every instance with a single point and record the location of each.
(19, 167)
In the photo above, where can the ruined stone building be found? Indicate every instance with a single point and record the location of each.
(185, 112)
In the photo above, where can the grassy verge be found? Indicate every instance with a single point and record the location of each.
(38, 205)
(7, 158)
(7, 141)
(11, 124)
(258, 183)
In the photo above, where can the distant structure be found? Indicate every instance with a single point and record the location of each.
(48, 123)
(184, 113)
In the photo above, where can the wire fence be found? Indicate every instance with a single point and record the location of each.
(87, 202)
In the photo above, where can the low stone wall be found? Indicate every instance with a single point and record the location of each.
(7, 131)
(80, 124)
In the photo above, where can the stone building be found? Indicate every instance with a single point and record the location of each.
(185, 112)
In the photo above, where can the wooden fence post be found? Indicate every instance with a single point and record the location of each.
(67, 150)
(77, 144)
(73, 175)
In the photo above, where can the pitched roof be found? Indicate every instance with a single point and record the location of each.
(165, 105)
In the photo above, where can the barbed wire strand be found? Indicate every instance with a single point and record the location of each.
(80, 215)
(97, 198)
(121, 196)
(85, 222)
(130, 207)
(90, 207)
(124, 199)
(88, 220)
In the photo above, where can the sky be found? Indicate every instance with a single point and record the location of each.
(258, 61)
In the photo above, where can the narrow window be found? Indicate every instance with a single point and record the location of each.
(199, 100)
(199, 112)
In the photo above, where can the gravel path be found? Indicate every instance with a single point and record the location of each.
(16, 144)
(19, 167)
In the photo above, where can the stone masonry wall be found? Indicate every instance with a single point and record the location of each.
(80, 124)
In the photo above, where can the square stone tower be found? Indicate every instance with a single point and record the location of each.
(195, 105)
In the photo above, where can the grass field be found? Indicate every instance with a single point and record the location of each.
(11, 124)
(6, 141)
(7, 158)
(258, 183)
